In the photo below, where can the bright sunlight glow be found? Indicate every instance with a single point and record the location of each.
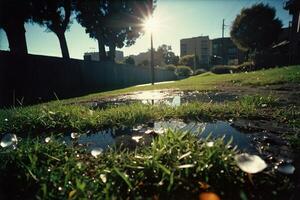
(150, 24)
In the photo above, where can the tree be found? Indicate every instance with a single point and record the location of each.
(144, 63)
(113, 23)
(55, 15)
(13, 15)
(90, 14)
(189, 60)
(255, 28)
(129, 61)
(168, 56)
(123, 22)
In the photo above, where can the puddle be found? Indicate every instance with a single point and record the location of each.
(168, 97)
(215, 130)
(273, 149)
(143, 134)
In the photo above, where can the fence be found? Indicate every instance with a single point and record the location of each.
(32, 79)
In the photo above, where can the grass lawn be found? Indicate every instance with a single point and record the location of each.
(57, 116)
(176, 165)
(210, 81)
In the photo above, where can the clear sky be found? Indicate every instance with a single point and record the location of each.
(177, 19)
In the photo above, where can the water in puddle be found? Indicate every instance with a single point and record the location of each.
(172, 98)
(131, 136)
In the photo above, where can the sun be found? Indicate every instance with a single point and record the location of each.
(150, 24)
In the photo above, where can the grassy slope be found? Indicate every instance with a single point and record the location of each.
(175, 164)
(58, 116)
(209, 81)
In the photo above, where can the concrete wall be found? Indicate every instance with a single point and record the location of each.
(33, 79)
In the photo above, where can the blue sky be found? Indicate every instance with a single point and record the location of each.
(177, 19)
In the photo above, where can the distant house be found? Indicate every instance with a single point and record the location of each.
(293, 6)
(200, 46)
(119, 57)
(224, 51)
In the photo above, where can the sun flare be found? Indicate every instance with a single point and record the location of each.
(150, 24)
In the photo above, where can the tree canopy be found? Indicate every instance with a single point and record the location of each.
(113, 23)
(255, 28)
(129, 61)
(167, 54)
(189, 60)
(13, 15)
(55, 15)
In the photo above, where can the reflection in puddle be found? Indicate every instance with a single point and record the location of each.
(269, 146)
(172, 98)
(215, 130)
(143, 134)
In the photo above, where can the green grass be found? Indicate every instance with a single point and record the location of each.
(55, 171)
(210, 81)
(58, 117)
(177, 165)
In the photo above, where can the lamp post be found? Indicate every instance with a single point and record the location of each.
(152, 59)
(149, 25)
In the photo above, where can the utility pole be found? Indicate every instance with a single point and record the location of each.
(291, 43)
(223, 27)
(152, 61)
(195, 62)
(223, 54)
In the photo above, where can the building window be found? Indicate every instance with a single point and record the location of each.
(232, 51)
(183, 48)
(204, 57)
(204, 42)
(204, 49)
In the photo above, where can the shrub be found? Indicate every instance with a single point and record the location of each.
(184, 71)
(129, 61)
(188, 60)
(170, 67)
(199, 71)
(246, 66)
(144, 63)
(223, 69)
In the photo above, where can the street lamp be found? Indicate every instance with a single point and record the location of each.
(150, 26)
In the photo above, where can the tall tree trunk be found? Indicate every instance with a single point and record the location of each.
(101, 46)
(15, 33)
(112, 52)
(63, 44)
